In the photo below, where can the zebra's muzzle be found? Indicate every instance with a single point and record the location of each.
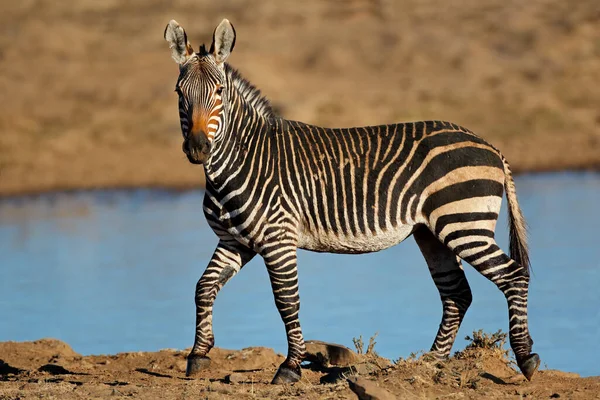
(196, 148)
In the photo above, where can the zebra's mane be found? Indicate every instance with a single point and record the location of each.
(247, 90)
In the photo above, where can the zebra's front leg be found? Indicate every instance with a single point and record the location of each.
(226, 261)
(281, 265)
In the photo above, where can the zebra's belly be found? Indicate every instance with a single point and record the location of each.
(353, 244)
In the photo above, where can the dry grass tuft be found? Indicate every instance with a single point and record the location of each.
(359, 345)
(490, 343)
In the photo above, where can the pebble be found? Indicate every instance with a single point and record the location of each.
(368, 390)
(330, 354)
(235, 378)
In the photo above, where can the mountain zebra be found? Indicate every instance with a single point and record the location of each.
(275, 185)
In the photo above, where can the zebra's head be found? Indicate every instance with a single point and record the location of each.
(201, 87)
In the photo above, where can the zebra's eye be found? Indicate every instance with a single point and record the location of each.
(219, 90)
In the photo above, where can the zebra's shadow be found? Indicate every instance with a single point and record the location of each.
(333, 374)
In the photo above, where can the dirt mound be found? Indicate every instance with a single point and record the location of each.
(50, 368)
(40, 352)
(88, 86)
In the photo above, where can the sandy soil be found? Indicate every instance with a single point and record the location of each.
(87, 86)
(49, 368)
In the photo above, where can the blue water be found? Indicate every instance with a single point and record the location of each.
(116, 271)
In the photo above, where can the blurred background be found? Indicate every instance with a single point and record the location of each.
(88, 103)
(87, 86)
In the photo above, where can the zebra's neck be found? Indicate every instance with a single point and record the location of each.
(248, 121)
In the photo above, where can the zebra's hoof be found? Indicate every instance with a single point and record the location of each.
(529, 365)
(196, 364)
(286, 375)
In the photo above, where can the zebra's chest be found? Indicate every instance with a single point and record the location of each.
(235, 220)
(226, 226)
(360, 242)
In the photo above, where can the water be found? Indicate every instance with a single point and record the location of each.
(116, 271)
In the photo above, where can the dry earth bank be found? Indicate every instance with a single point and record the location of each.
(49, 368)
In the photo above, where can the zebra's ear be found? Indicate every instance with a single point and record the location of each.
(181, 49)
(223, 41)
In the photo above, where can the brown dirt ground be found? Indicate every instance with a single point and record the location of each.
(87, 86)
(50, 369)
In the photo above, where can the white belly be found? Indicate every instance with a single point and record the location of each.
(361, 243)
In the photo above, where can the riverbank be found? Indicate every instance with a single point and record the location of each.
(50, 368)
(96, 108)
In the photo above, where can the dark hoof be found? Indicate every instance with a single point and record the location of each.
(529, 365)
(196, 364)
(286, 375)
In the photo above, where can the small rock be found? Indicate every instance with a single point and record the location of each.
(328, 354)
(179, 365)
(368, 390)
(235, 378)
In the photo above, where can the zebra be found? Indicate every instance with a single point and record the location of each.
(274, 186)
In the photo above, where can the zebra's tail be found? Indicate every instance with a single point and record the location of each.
(519, 250)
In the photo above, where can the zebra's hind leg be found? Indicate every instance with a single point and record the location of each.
(479, 249)
(452, 284)
(227, 260)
